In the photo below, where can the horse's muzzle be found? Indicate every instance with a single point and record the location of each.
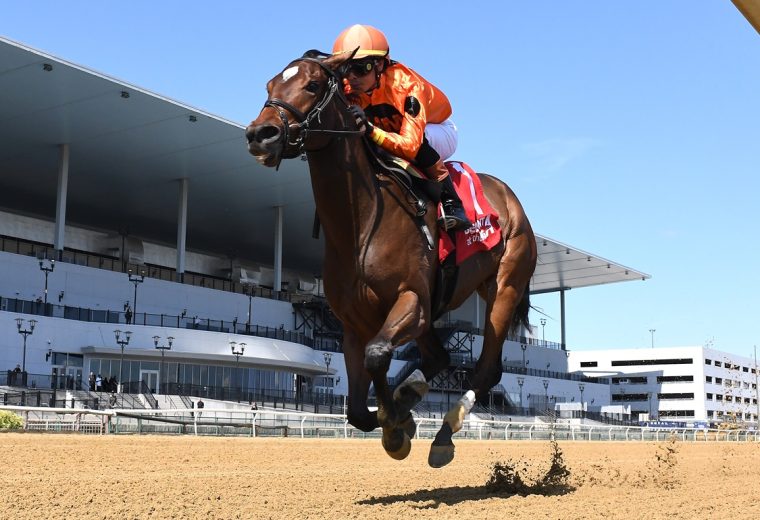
(265, 142)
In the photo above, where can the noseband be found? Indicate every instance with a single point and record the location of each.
(305, 121)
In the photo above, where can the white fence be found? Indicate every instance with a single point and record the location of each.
(270, 422)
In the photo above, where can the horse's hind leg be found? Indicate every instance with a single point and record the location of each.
(503, 292)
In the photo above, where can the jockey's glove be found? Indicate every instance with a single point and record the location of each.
(361, 119)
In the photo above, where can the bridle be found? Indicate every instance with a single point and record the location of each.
(304, 129)
(305, 121)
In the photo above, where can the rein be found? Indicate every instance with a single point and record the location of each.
(315, 114)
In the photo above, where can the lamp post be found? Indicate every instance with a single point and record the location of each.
(543, 330)
(162, 348)
(47, 267)
(136, 279)
(582, 387)
(521, 382)
(524, 347)
(546, 392)
(25, 332)
(652, 331)
(122, 341)
(237, 351)
(328, 357)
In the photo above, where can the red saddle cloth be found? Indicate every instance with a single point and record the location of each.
(484, 233)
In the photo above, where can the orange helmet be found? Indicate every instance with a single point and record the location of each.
(371, 41)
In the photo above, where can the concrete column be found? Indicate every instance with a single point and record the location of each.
(278, 248)
(60, 204)
(182, 229)
(562, 317)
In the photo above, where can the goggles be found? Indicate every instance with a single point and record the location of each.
(360, 68)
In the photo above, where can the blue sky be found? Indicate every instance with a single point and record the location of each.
(630, 130)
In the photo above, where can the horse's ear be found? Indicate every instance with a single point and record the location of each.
(336, 60)
(315, 54)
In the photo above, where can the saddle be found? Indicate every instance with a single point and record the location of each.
(481, 236)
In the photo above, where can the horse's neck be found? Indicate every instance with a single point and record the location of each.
(345, 192)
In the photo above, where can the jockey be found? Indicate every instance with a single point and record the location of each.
(401, 111)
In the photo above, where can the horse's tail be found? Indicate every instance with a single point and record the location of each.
(520, 317)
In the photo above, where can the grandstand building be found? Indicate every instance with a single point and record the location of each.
(683, 384)
(127, 251)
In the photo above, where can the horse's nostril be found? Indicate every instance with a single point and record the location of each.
(266, 133)
(249, 133)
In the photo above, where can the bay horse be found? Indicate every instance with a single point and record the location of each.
(379, 272)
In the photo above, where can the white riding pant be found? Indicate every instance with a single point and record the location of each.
(443, 137)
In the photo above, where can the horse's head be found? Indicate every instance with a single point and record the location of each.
(297, 99)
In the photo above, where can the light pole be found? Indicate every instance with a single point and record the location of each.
(327, 357)
(162, 348)
(237, 351)
(581, 387)
(546, 392)
(47, 267)
(25, 332)
(543, 330)
(524, 347)
(652, 331)
(136, 279)
(122, 341)
(521, 382)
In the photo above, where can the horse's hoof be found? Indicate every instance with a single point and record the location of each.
(414, 384)
(399, 445)
(440, 455)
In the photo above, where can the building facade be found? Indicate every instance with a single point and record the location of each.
(684, 384)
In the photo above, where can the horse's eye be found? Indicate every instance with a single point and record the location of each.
(312, 86)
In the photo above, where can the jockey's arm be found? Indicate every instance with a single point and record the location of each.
(406, 143)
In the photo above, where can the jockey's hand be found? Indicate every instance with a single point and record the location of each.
(361, 118)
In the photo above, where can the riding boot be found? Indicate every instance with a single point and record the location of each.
(455, 217)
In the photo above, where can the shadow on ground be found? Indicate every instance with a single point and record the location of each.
(433, 498)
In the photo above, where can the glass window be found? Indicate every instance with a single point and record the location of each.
(150, 365)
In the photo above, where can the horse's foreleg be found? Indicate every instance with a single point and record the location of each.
(404, 322)
(413, 389)
(359, 378)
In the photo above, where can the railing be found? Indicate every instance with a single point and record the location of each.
(282, 423)
(154, 320)
(41, 381)
(276, 397)
(510, 369)
(111, 263)
(140, 387)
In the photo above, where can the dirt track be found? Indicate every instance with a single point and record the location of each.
(77, 476)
